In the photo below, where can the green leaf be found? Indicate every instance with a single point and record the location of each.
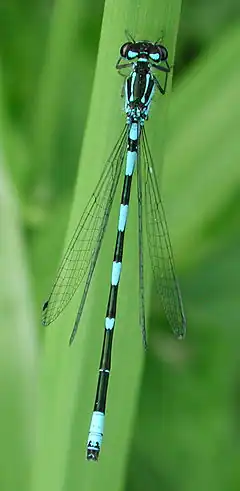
(18, 353)
(69, 376)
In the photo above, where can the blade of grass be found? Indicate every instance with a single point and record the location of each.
(59, 54)
(18, 354)
(69, 375)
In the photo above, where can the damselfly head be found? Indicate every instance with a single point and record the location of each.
(144, 49)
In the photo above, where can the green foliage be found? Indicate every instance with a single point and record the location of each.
(18, 347)
(186, 419)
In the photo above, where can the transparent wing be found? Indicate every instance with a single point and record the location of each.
(83, 249)
(160, 248)
(142, 317)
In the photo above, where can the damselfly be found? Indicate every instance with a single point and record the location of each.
(144, 59)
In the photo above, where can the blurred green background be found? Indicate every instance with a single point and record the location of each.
(185, 433)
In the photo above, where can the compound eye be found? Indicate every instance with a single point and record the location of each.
(127, 51)
(163, 52)
(124, 50)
